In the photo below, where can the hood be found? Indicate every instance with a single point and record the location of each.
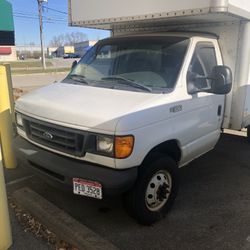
(98, 109)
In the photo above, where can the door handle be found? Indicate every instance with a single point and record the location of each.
(219, 110)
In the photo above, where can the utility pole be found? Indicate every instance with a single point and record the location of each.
(40, 10)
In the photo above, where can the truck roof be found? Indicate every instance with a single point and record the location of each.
(120, 14)
(179, 33)
(184, 35)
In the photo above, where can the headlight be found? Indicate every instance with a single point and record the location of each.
(19, 120)
(105, 144)
(119, 147)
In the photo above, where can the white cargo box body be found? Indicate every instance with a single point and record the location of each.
(107, 14)
(229, 19)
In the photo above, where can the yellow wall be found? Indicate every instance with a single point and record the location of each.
(69, 49)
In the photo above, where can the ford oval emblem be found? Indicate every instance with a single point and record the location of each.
(48, 135)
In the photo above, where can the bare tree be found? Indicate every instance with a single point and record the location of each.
(68, 39)
(57, 41)
(75, 37)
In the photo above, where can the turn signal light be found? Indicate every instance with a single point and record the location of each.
(123, 146)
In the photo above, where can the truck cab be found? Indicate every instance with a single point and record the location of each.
(133, 110)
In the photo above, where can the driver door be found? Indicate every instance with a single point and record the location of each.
(207, 109)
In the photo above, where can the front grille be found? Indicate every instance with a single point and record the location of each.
(56, 137)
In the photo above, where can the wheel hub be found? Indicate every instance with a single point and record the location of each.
(162, 192)
(158, 190)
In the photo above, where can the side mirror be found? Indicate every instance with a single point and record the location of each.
(221, 80)
(73, 64)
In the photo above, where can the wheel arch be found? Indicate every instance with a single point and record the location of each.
(171, 148)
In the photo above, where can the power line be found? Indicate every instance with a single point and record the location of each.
(25, 12)
(26, 17)
(59, 11)
(56, 18)
(35, 17)
(35, 14)
(47, 22)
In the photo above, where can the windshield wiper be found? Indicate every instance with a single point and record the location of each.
(78, 78)
(128, 82)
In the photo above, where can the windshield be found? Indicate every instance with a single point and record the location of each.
(132, 63)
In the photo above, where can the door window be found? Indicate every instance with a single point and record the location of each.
(202, 63)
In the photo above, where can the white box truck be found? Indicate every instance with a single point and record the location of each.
(142, 103)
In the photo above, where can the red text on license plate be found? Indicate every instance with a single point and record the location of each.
(87, 188)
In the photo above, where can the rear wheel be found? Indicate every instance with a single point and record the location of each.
(154, 192)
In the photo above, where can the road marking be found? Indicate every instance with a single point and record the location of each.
(19, 180)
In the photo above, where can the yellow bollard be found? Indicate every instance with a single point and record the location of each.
(6, 129)
(8, 159)
(10, 91)
(5, 89)
(5, 229)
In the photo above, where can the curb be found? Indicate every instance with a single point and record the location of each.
(59, 222)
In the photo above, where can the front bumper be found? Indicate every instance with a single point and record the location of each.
(62, 169)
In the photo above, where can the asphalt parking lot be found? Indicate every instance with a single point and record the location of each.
(212, 210)
(31, 82)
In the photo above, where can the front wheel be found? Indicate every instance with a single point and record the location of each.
(154, 192)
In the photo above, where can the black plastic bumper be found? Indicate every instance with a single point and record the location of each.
(63, 169)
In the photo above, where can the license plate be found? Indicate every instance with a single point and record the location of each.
(87, 188)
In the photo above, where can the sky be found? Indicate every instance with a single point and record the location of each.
(55, 15)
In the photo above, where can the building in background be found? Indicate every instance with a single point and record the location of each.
(77, 50)
(29, 51)
(51, 51)
(82, 47)
(7, 35)
(64, 50)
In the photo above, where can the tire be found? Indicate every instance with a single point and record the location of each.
(157, 178)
